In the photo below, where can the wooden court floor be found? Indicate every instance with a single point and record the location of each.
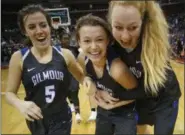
(13, 123)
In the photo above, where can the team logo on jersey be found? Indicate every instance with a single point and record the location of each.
(101, 86)
(47, 75)
(137, 61)
(30, 69)
(136, 72)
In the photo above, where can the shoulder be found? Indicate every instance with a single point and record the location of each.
(68, 55)
(16, 59)
(118, 66)
(66, 52)
(17, 55)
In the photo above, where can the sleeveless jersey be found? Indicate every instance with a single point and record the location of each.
(106, 82)
(171, 91)
(46, 84)
(74, 84)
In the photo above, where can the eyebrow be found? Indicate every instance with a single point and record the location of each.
(133, 23)
(100, 36)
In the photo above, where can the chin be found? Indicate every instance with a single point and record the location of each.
(126, 46)
(95, 60)
(43, 46)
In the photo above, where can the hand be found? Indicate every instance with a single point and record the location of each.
(107, 97)
(30, 110)
(100, 102)
(89, 86)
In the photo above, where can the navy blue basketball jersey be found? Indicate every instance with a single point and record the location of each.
(106, 82)
(74, 84)
(133, 61)
(46, 84)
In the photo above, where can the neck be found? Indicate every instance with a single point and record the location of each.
(101, 63)
(41, 52)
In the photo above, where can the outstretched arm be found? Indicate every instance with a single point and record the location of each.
(78, 72)
(28, 108)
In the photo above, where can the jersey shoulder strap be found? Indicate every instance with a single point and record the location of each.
(58, 48)
(24, 52)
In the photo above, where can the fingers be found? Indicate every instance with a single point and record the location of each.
(100, 102)
(112, 100)
(87, 82)
(38, 112)
(34, 111)
(98, 98)
(29, 118)
(108, 97)
(31, 114)
(91, 88)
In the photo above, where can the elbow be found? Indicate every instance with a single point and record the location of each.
(7, 93)
(133, 85)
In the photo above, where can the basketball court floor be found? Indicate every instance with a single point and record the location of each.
(13, 123)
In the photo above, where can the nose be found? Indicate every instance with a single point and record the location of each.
(125, 36)
(38, 29)
(93, 45)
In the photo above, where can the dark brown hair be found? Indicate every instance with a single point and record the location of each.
(91, 20)
(31, 9)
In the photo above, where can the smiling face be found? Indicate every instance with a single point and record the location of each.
(94, 41)
(38, 30)
(126, 25)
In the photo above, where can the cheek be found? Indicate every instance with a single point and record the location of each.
(48, 31)
(83, 47)
(136, 35)
(115, 34)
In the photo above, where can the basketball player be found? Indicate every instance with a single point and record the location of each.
(141, 32)
(44, 72)
(94, 37)
(74, 85)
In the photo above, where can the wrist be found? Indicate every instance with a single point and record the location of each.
(18, 103)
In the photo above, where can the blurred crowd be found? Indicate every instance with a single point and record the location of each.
(13, 40)
(177, 35)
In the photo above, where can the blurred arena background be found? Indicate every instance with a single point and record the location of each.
(64, 13)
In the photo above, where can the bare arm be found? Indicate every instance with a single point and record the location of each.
(28, 108)
(14, 79)
(73, 66)
(77, 71)
(81, 60)
(121, 74)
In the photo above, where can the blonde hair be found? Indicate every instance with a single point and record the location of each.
(155, 45)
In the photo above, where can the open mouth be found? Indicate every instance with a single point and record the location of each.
(41, 40)
(95, 54)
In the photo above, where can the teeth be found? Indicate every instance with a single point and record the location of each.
(95, 53)
(41, 38)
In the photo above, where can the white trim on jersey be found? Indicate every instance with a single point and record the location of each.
(60, 52)
(86, 60)
(107, 66)
(25, 55)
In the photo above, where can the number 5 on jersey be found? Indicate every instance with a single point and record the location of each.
(50, 93)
